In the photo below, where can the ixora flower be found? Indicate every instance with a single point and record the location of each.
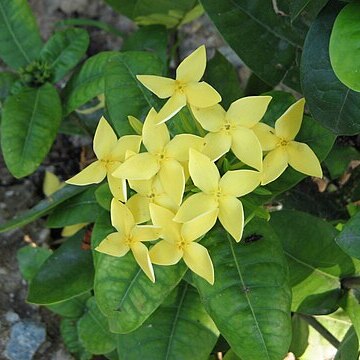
(282, 149)
(232, 129)
(179, 241)
(218, 193)
(186, 88)
(164, 158)
(129, 236)
(110, 153)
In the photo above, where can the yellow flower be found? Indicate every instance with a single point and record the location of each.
(186, 88)
(179, 241)
(110, 153)
(129, 236)
(218, 193)
(164, 158)
(233, 129)
(283, 150)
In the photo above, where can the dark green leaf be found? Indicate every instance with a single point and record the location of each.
(350, 303)
(349, 347)
(349, 238)
(87, 82)
(255, 86)
(20, 41)
(179, 329)
(126, 295)
(251, 292)
(43, 207)
(330, 102)
(264, 40)
(82, 208)
(223, 76)
(103, 196)
(316, 262)
(7, 79)
(55, 282)
(310, 8)
(300, 335)
(64, 50)
(29, 125)
(71, 308)
(93, 330)
(124, 94)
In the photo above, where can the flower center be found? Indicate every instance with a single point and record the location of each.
(181, 244)
(282, 142)
(151, 197)
(180, 87)
(129, 240)
(227, 128)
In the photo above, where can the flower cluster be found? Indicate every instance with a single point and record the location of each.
(159, 175)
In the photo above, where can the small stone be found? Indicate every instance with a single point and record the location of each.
(11, 317)
(25, 339)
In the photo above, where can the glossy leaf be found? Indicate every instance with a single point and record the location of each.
(349, 237)
(82, 208)
(29, 125)
(55, 282)
(264, 40)
(103, 196)
(300, 335)
(64, 50)
(250, 299)
(125, 294)
(87, 82)
(310, 8)
(124, 94)
(331, 103)
(7, 79)
(71, 308)
(93, 330)
(349, 346)
(315, 261)
(20, 41)
(178, 329)
(43, 207)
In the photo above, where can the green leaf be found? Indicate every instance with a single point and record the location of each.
(250, 293)
(103, 196)
(20, 41)
(82, 208)
(349, 347)
(316, 262)
(265, 41)
(124, 94)
(178, 329)
(43, 207)
(30, 259)
(93, 330)
(349, 237)
(300, 335)
(330, 102)
(310, 8)
(344, 46)
(223, 76)
(64, 50)
(350, 303)
(125, 294)
(7, 79)
(29, 125)
(55, 282)
(71, 308)
(87, 82)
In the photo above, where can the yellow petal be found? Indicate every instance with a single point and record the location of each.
(231, 216)
(114, 244)
(139, 207)
(266, 136)
(142, 187)
(239, 182)
(141, 255)
(172, 179)
(197, 227)
(194, 206)
(171, 107)
(51, 183)
(216, 144)
(288, 125)
(210, 118)
(92, 174)
(165, 253)
(72, 229)
(192, 68)
(155, 136)
(201, 95)
(198, 260)
(161, 86)
(303, 159)
(117, 187)
(246, 147)
(275, 163)
(204, 172)
(165, 201)
(124, 144)
(178, 148)
(104, 139)
(146, 233)
(248, 111)
(141, 166)
(121, 217)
